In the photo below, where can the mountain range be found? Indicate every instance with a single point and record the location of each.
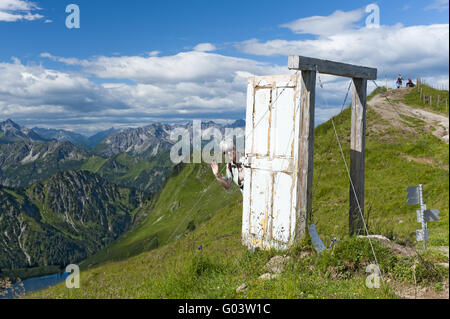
(134, 157)
(11, 132)
(27, 161)
(79, 140)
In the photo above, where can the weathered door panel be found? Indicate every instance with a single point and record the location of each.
(270, 185)
(261, 116)
(261, 196)
(283, 207)
(283, 123)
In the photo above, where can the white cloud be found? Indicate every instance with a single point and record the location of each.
(8, 17)
(68, 61)
(337, 22)
(203, 84)
(154, 53)
(205, 47)
(440, 5)
(420, 50)
(14, 5)
(34, 86)
(16, 10)
(192, 66)
(417, 50)
(60, 99)
(186, 85)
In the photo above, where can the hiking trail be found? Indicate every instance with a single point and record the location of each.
(436, 123)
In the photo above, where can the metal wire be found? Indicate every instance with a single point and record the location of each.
(351, 183)
(387, 99)
(331, 140)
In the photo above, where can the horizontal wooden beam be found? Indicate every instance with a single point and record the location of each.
(329, 67)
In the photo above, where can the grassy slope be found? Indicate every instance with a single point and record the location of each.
(413, 99)
(170, 215)
(94, 163)
(394, 160)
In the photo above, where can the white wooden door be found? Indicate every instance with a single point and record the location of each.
(271, 157)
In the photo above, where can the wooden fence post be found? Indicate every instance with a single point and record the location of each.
(306, 152)
(357, 156)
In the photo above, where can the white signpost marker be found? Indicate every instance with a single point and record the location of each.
(414, 196)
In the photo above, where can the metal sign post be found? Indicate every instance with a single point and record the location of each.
(424, 223)
(414, 196)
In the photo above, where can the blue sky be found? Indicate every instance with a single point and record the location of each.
(132, 62)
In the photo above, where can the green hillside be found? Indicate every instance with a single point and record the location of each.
(175, 211)
(413, 98)
(144, 173)
(395, 158)
(208, 261)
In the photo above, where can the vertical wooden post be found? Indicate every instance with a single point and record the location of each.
(306, 152)
(357, 155)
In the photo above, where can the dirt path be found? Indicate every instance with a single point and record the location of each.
(408, 291)
(437, 124)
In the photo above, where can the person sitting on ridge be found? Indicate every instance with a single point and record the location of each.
(410, 83)
(235, 170)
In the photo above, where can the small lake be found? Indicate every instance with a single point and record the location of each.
(34, 284)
